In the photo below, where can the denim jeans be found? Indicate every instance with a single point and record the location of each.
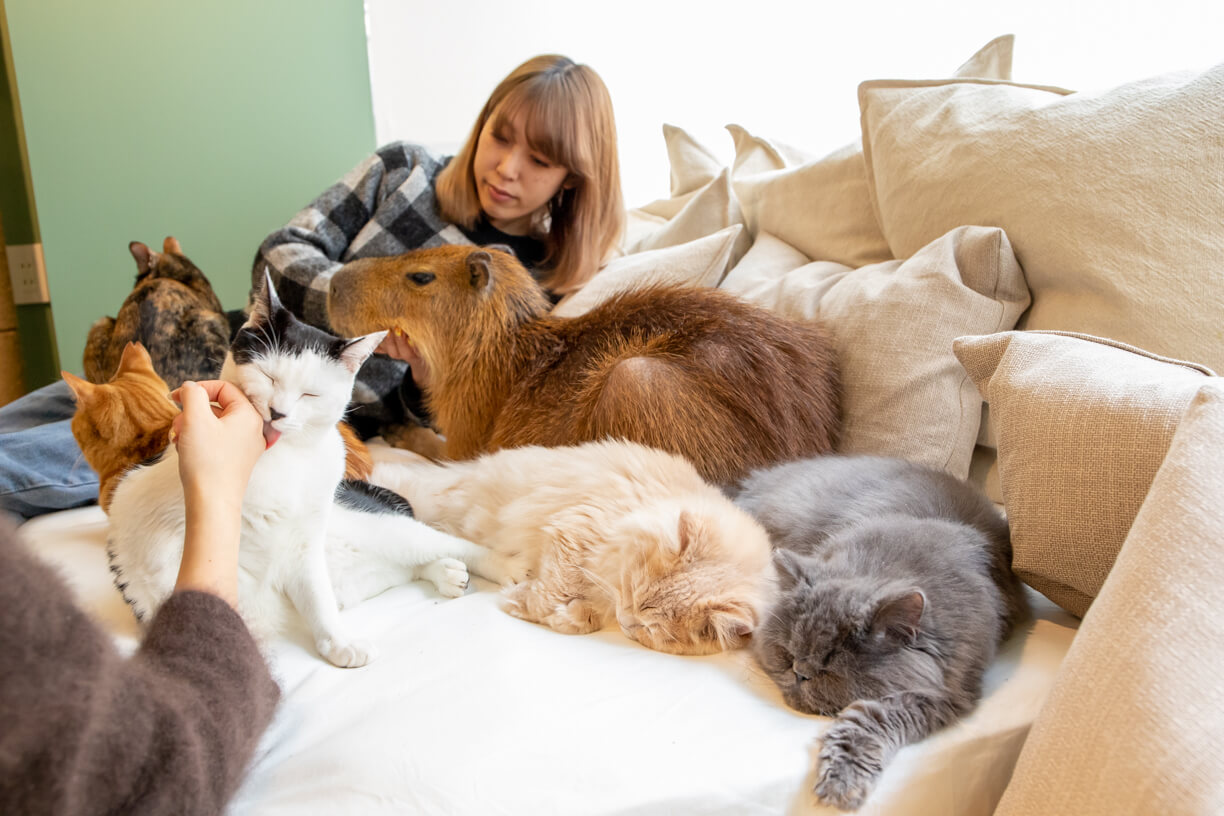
(41, 467)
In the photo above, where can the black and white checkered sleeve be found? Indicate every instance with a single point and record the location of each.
(303, 255)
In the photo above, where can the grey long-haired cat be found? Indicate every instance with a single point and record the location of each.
(304, 548)
(895, 591)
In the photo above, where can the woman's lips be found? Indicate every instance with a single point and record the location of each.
(499, 195)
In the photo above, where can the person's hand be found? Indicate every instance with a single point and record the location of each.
(217, 449)
(396, 344)
(217, 445)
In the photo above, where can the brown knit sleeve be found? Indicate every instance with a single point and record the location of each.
(169, 730)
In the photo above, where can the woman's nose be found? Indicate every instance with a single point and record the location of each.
(509, 164)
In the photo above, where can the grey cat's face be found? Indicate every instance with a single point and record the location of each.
(828, 642)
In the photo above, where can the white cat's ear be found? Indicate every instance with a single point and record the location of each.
(898, 617)
(265, 302)
(355, 351)
(790, 569)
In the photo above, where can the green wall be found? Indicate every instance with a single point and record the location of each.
(212, 121)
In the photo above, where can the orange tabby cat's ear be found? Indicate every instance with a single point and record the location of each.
(81, 389)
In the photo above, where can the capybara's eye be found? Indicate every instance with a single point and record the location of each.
(421, 278)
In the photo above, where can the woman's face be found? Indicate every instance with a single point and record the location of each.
(512, 180)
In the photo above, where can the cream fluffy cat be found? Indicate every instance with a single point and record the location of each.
(615, 531)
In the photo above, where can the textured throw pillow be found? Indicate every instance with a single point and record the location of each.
(822, 207)
(893, 324)
(1113, 200)
(761, 275)
(1082, 426)
(707, 210)
(702, 262)
(693, 165)
(1134, 724)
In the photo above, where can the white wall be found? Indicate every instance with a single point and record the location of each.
(787, 70)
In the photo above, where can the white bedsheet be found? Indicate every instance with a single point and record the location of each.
(470, 711)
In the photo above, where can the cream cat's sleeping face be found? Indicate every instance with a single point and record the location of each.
(694, 580)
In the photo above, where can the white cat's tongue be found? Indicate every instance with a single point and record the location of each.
(270, 435)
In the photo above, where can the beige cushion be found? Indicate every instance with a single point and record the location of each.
(761, 275)
(707, 210)
(692, 164)
(702, 262)
(1082, 426)
(893, 324)
(1112, 200)
(1135, 722)
(822, 206)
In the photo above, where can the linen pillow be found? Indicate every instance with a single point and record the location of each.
(823, 207)
(893, 323)
(1134, 723)
(692, 164)
(1082, 426)
(699, 263)
(1112, 200)
(707, 210)
(761, 275)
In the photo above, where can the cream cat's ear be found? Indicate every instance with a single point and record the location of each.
(729, 622)
(355, 351)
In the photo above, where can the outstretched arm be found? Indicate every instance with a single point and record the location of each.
(217, 449)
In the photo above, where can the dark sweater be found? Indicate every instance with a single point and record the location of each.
(83, 730)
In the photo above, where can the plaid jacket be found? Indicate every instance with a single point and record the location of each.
(384, 206)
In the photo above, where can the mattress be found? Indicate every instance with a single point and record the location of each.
(470, 711)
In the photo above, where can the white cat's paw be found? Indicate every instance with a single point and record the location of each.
(506, 570)
(347, 654)
(449, 575)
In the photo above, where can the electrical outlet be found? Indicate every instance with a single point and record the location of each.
(29, 273)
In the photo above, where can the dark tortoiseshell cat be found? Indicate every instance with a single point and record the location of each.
(895, 590)
(172, 311)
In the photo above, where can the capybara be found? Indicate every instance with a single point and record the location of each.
(695, 371)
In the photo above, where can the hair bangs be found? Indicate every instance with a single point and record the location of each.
(546, 108)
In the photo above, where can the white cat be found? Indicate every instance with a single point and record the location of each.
(614, 532)
(300, 546)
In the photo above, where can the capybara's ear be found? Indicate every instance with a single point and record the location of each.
(479, 267)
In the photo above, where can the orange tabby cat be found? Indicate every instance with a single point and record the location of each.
(126, 421)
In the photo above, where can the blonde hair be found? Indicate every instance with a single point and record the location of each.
(568, 115)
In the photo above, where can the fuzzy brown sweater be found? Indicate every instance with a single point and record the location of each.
(169, 730)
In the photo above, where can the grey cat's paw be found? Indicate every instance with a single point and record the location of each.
(347, 654)
(449, 575)
(849, 766)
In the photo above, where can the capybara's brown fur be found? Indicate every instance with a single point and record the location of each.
(698, 372)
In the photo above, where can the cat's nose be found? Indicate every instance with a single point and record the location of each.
(274, 414)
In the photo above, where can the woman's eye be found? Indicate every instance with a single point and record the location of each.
(310, 395)
(545, 163)
(421, 278)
